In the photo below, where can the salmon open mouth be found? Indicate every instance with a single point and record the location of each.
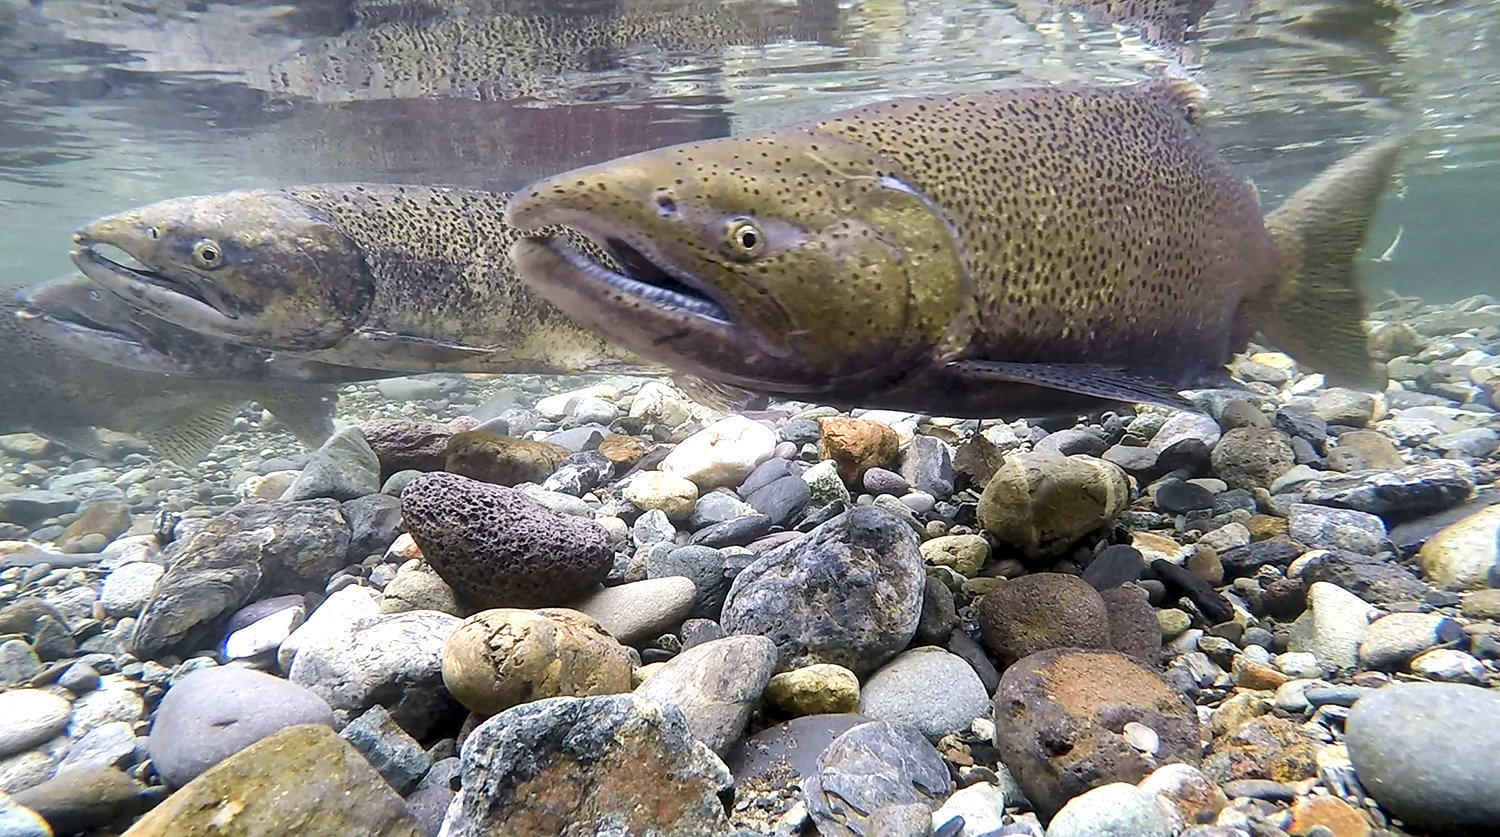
(110, 272)
(640, 275)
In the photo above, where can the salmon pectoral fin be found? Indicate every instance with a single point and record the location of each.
(1109, 382)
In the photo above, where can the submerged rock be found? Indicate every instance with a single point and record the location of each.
(869, 769)
(1043, 503)
(501, 460)
(1466, 554)
(849, 593)
(497, 547)
(617, 764)
(856, 445)
(1404, 493)
(716, 685)
(343, 468)
(1040, 611)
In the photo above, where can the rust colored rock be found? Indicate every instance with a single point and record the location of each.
(621, 449)
(1332, 813)
(501, 460)
(1041, 611)
(1264, 748)
(402, 445)
(857, 445)
(503, 657)
(1059, 720)
(303, 780)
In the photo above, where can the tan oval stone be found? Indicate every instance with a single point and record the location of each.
(964, 554)
(1043, 503)
(673, 495)
(503, 657)
(818, 689)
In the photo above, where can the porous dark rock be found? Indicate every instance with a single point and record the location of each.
(496, 547)
(617, 764)
(1059, 719)
(849, 593)
(1041, 611)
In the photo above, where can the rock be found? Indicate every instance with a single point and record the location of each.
(615, 764)
(337, 612)
(825, 485)
(927, 688)
(106, 519)
(856, 445)
(559, 405)
(871, 767)
(19, 821)
(1328, 812)
(128, 587)
(108, 745)
(496, 547)
(1407, 492)
(1448, 665)
(880, 481)
(402, 445)
(1365, 449)
(724, 453)
(716, 507)
(1328, 528)
(263, 635)
(213, 713)
(1176, 497)
(1482, 604)
(715, 685)
(344, 467)
(1186, 789)
(501, 460)
(849, 593)
(1373, 578)
(1184, 426)
(1252, 457)
(641, 610)
(394, 659)
(499, 658)
(1115, 565)
(818, 689)
(397, 756)
(736, 532)
(658, 403)
(374, 523)
(781, 500)
(85, 799)
(766, 473)
(34, 505)
(789, 749)
(652, 528)
(418, 588)
(704, 566)
(927, 465)
(1042, 503)
(1040, 611)
(253, 549)
(31, 717)
(1345, 406)
(1391, 641)
(981, 807)
(1425, 752)
(408, 389)
(268, 790)
(1133, 627)
(1084, 698)
(669, 493)
(1116, 808)
(1466, 554)
(1332, 627)
(939, 617)
(113, 702)
(621, 450)
(964, 554)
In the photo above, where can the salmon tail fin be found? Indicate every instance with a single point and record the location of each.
(1315, 311)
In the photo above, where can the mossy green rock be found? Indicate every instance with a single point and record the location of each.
(303, 780)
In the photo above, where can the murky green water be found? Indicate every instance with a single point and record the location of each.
(112, 104)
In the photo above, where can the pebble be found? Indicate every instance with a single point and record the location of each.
(1390, 641)
(1425, 752)
(673, 495)
(86, 799)
(880, 481)
(716, 507)
(1184, 426)
(340, 610)
(214, 713)
(964, 554)
(716, 685)
(856, 445)
(1115, 565)
(641, 610)
(704, 566)
(781, 500)
(264, 635)
(393, 753)
(1113, 809)
(1186, 788)
(113, 702)
(344, 468)
(109, 745)
(499, 658)
(981, 807)
(927, 688)
(31, 717)
(1466, 554)
(724, 453)
(817, 689)
(1448, 665)
(646, 773)
(1329, 528)
(1332, 626)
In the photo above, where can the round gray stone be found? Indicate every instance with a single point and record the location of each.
(31, 717)
(928, 688)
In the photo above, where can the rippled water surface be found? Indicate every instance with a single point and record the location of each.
(106, 104)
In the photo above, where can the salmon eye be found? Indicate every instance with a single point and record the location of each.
(206, 253)
(745, 239)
